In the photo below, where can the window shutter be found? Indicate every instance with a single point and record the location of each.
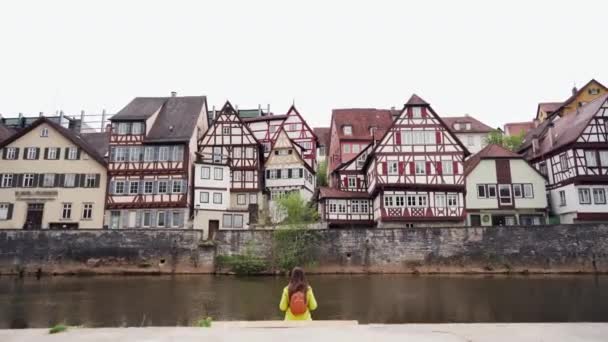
(439, 168)
(140, 188)
(267, 174)
(154, 187)
(398, 138)
(111, 190)
(423, 112)
(58, 153)
(82, 179)
(301, 173)
(288, 173)
(438, 137)
(40, 179)
(113, 154)
(455, 167)
(126, 188)
(18, 180)
(168, 218)
(428, 168)
(66, 153)
(401, 168)
(384, 168)
(76, 180)
(37, 152)
(4, 153)
(9, 215)
(57, 183)
(152, 218)
(78, 153)
(412, 168)
(358, 182)
(138, 218)
(35, 182)
(184, 186)
(25, 153)
(409, 112)
(46, 153)
(97, 180)
(345, 182)
(278, 173)
(124, 218)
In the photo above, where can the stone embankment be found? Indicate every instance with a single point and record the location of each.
(540, 249)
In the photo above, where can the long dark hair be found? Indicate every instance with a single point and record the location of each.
(297, 281)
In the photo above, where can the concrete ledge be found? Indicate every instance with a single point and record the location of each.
(284, 324)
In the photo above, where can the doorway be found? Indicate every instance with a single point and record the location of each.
(214, 226)
(33, 219)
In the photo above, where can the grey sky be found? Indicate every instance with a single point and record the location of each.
(493, 60)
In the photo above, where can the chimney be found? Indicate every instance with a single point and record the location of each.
(534, 144)
(236, 108)
(214, 113)
(268, 109)
(103, 120)
(173, 94)
(550, 133)
(574, 90)
(259, 110)
(40, 114)
(81, 120)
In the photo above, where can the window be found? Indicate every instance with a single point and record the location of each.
(599, 196)
(420, 167)
(66, 212)
(11, 153)
(241, 199)
(87, 211)
(147, 219)
(284, 174)
(205, 172)
(388, 201)
(163, 153)
(149, 153)
(332, 207)
(393, 168)
(90, 180)
(120, 154)
(406, 137)
(447, 167)
(542, 168)
(590, 157)
(352, 182)
(470, 140)
(148, 187)
(452, 200)
(467, 126)
(584, 196)
(4, 208)
(346, 148)
(347, 130)
(237, 221)
(123, 128)
(528, 191)
(133, 187)
(356, 148)
(517, 191)
(481, 191)
(225, 130)
(341, 207)
(266, 147)
(177, 186)
(562, 198)
(204, 197)
(178, 153)
(417, 112)
(162, 186)
(364, 207)
(176, 218)
(137, 128)
(457, 126)
(28, 180)
(31, 153)
(491, 191)
(72, 153)
(249, 152)
(563, 160)
(237, 176)
(217, 154)
(218, 173)
(249, 175)
(48, 180)
(429, 137)
(440, 200)
(135, 154)
(253, 198)
(504, 192)
(160, 219)
(273, 128)
(594, 91)
(227, 221)
(354, 206)
(237, 152)
(604, 157)
(418, 137)
(399, 201)
(44, 132)
(52, 153)
(217, 198)
(7, 180)
(69, 181)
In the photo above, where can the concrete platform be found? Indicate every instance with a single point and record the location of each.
(321, 332)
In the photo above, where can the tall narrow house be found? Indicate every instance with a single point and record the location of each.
(228, 176)
(572, 152)
(152, 148)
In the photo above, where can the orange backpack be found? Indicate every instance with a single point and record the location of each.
(297, 303)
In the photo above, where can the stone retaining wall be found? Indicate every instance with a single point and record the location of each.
(551, 249)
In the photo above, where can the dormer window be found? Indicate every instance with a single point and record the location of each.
(44, 132)
(347, 130)
(457, 126)
(226, 130)
(372, 129)
(417, 112)
(137, 128)
(123, 128)
(467, 126)
(594, 91)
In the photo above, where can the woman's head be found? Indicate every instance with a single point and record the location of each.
(297, 281)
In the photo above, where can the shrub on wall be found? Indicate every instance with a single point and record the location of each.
(294, 246)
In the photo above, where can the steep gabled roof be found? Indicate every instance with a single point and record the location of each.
(5, 132)
(293, 109)
(227, 109)
(322, 134)
(140, 108)
(361, 120)
(100, 141)
(491, 151)
(577, 93)
(547, 107)
(296, 148)
(354, 159)
(476, 125)
(76, 139)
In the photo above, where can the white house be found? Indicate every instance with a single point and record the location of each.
(503, 189)
(471, 132)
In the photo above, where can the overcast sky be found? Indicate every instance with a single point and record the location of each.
(493, 61)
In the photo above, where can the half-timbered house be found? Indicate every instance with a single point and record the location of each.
(152, 146)
(286, 171)
(228, 182)
(572, 152)
(503, 189)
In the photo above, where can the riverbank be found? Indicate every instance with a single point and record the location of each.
(566, 332)
(576, 248)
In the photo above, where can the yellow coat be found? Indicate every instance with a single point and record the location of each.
(310, 301)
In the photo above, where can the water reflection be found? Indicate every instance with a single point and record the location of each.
(180, 300)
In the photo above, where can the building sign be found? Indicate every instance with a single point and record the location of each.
(48, 195)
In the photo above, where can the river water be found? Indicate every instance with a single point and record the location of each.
(180, 300)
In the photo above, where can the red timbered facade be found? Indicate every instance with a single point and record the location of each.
(152, 144)
(413, 175)
(228, 147)
(572, 152)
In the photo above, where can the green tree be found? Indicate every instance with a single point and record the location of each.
(296, 209)
(512, 142)
(322, 173)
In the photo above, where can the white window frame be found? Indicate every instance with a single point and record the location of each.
(69, 180)
(7, 180)
(510, 197)
(217, 154)
(66, 211)
(135, 154)
(52, 153)
(253, 198)
(205, 172)
(388, 201)
(177, 186)
(485, 191)
(174, 215)
(341, 207)
(216, 196)
(123, 128)
(227, 220)
(28, 180)
(416, 112)
(417, 169)
(145, 213)
(584, 196)
(44, 132)
(72, 153)
(563, 161)
(346, 148)
(599, 196)
(226, 130)
(30, 153)
(440, 201)
(165, 183)
(492, 187)
(204, 197)
(160, 214)
(528, 190)
(237, 221)
(393, 167)
(356, 148)
(89, 180)
(347, 130)
(87, 211)
(218, 173)
(137, 128)
(516, 188)
(591, 158)
(148, 185)
(11, 153)
(447, 167)
(133, 187)
(241, 199)
(149, 153)
(352, 181)
(452, 200)
(4, 211)
(163, 153)
(562, 198)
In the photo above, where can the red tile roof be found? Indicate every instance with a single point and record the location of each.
(5, 132)
(476, 125)
(361, 120)
(325, 192)
(515, 128)
(322, 134)
(416, 100)
(491, 151)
